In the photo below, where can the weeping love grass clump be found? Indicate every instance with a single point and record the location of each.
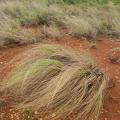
(11, 33)
(61, 81)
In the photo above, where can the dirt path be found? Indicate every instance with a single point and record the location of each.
(103, 48)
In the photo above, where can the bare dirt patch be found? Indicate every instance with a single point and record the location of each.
(6, 54)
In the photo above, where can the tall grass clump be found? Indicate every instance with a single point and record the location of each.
(11, 32)
(52, 32)
(51, 77)
(80, 27)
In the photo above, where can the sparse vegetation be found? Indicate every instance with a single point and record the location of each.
(79, 20)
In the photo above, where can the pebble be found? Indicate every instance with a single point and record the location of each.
(53, 115)
(40, 119)
(11, 116)
(118, 81)
(118, 111)
(116, 77)
(36, 112)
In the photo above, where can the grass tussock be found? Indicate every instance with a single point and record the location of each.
(52, 32)
(62, 81)
(11, 33)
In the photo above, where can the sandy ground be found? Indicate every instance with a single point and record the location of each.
(100, 53)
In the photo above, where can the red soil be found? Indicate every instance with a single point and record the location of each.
(6, 54)
(112, 104)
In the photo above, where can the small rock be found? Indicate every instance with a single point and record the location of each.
(40, 119)
(36, 112)
(11, 116)
(106, 119)
(118, 81)
(116, 77)
(118, 111)
(53, 115)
